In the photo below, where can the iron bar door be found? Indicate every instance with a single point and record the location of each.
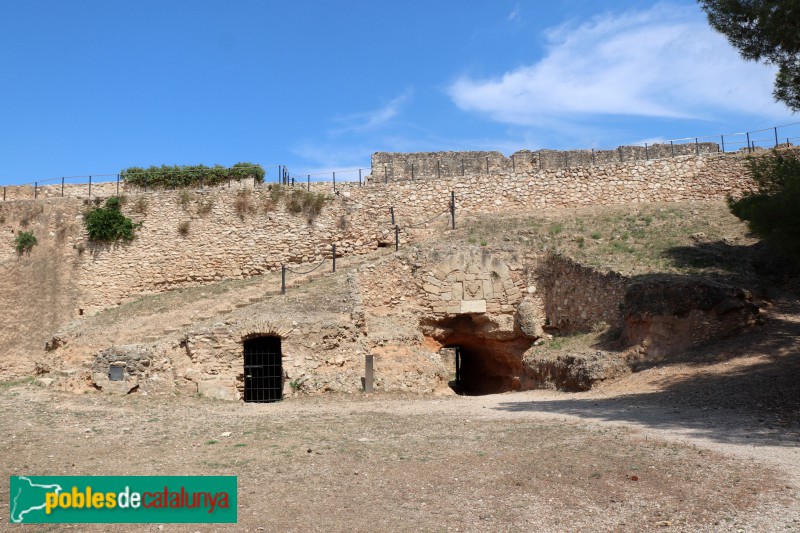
(263, 370)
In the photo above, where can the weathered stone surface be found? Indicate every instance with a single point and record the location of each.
(529, 319)
(216, 390)
(473, 306)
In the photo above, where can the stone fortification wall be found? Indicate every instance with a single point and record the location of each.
(398, 166)
(194, 237)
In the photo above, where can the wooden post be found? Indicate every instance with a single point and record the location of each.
(369, 370)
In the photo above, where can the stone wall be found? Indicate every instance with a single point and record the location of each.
(193, 237)
(578, 297)
(397, 166)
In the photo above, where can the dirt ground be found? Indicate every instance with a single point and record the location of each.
(681, 447)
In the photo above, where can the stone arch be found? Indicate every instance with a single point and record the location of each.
(265, 328)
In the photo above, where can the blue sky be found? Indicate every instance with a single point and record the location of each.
(91, 87)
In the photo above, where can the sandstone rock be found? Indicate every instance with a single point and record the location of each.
(529, 319)
(216, 390)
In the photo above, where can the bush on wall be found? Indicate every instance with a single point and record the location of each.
(190, 175)
(25, 241)
(108, 224)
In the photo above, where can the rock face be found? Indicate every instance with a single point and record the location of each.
(132, 362)
(669, 314)
(574, 372)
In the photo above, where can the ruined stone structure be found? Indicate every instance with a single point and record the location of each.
(398, 166)
(403, 309)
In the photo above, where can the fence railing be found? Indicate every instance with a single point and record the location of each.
(785, 135)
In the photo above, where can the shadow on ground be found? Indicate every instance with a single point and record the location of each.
(756, 404)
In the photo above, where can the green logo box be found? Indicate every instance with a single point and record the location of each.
(122, 499)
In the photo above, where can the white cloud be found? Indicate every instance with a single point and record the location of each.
(662, 62)
(359, 122)
(514, 13)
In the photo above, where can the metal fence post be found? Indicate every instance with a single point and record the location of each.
(334, 257)
(513, 164)
(453, 208)
(619, 151)
(90, 186)
(391, 210)
(35, 189)
(280, 175)
(566, 158)
(396, 237)
(118, 185)
(334, 182)
(385, 174)
(646, 155)
(308, 182)
(4, 193)
(672, 148)
(462, 167)
(722, 138)
(593, 159)
(487, 166)
(439, 168)
(696, 146)
(748, 142)
(776, 137)
(412, 170)
(62, 187)
(359, 177)
(283, 278)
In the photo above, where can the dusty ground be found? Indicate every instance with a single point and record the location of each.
(713, 441)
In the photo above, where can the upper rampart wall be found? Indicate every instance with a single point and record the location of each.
(398, 166)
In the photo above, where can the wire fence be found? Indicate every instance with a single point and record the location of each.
(105, 184)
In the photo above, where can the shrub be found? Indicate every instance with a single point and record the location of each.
(25, 241)
(771, 211)
(310, 203)
(190, 175)
(141, 205)
(183, 228)
(184, 199)
(204, 207)
(243, 204)
(108, 224)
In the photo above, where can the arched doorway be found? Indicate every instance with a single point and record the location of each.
(263, 370)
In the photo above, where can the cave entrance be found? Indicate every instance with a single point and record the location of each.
(484, 361)
(263, 370)
(482, 369)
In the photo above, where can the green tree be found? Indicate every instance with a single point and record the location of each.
(763, 30)
(772, 211)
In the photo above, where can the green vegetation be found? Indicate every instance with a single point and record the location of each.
(763, 30)
(310, 203)
(243, 203)
(685, 238)
(772, 211)
(25, 241)
(190, 175)
(108, 224)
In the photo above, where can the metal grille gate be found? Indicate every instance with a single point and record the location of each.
(263, 371)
